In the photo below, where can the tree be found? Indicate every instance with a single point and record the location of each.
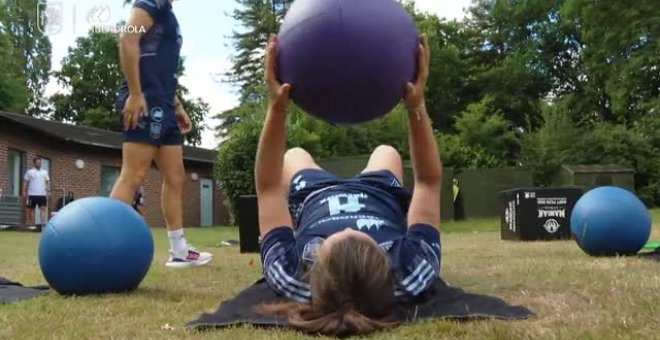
(24, 22)
(526, 54)
(451, 86)
(91, 76)
(620, 55)
(259, 18)
(13, 93)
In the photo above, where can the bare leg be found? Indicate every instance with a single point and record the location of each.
(44, 215)
(30, 216)
(385, 157)
(296, 159)
(136, 161)
(170, 163)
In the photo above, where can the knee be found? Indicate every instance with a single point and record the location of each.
(296, 152)
(175, 178)
(134, 178)
(388, 151)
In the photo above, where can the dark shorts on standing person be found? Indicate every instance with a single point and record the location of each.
(159, 127)
(37, 201)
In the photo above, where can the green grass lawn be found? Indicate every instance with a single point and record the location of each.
(574, 295)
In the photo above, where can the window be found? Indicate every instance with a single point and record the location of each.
(45, 164)
(15, 167)
(109, 175)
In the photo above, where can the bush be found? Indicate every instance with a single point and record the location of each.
(610, 143)
(545, 150)
(234, 168)
(484, 139)
(559, 141)
(648, 128)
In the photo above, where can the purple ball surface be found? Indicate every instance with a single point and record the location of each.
(347, 61)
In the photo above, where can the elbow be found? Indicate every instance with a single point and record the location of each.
(263, 184)
(431, 179)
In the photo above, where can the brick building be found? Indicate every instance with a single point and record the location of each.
(87, 161)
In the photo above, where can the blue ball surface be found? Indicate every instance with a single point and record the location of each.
(95, 245)
(610, 221)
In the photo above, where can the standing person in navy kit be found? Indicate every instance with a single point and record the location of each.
(344, 251)
(154, 119)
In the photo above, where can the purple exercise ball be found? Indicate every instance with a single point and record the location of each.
(348, 62)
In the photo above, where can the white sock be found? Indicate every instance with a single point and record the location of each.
(178, 242)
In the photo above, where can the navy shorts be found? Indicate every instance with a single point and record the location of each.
(158, 128)
(308, 181)
(37, 201)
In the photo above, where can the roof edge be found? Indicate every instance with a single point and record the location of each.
(11, 116)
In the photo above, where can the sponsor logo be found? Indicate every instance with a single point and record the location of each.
(552, 213)
(551, 226)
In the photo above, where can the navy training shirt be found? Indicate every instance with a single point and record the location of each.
(160, 49)
(415, 251)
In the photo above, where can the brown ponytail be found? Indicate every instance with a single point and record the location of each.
(339, 324)
(352, 293)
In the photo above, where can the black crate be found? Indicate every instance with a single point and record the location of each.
(248, 224)
(531, 214)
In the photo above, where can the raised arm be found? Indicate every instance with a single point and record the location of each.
(425, 157)
(271, 194)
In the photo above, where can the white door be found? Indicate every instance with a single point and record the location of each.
(206, 201)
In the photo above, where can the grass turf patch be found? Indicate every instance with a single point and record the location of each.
(574, 295)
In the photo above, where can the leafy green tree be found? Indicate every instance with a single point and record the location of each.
(451, 85)
(525, 53)
(484, 139)
(91, 75)
(620, 55)
(13, 93)
(23, 23)
(545, 150)
(259, 19)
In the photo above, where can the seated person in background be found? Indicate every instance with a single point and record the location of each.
(138, 200)
(357, 246)
(64, 200)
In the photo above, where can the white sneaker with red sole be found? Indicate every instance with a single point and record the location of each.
(189, 258)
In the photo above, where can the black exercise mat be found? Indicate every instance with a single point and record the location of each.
(440, 302)
(653, 255)
(11, 291)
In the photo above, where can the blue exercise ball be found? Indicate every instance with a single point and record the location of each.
(610, 221)
(95, 245)
(348, 62)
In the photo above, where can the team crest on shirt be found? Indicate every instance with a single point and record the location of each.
(157, 114)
